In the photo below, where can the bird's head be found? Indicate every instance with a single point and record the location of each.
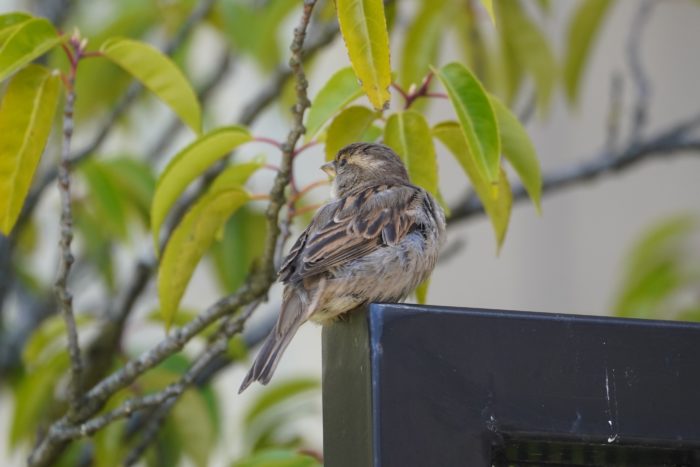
(364, 164)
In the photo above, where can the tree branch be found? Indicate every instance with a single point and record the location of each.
(171, 392)
(670, 142)
(214, 350)
(250, 112)
(65, 298)
(108, 338)
(256, 287)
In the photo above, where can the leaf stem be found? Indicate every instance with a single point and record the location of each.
(422, 91)
(304, 147)
(307, 208)
(93, 54)
(304, 190)
(400, 90)
(270, 141)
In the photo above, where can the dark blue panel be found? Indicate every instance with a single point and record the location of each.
(462, 387)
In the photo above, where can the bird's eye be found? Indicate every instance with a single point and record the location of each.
(343, 162)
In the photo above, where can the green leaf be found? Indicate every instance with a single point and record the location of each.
(519, 151)
(48, 339)
(99, 85)
(239, 247)
(582, 31)
(422, 291)
(478, 55)
(97, 241)
(488, 6)
(182, 317)
(195, 426)
(277, 458)
(159, 74)
(476, 118)
(496, 204)
(194, 235)
(338, 92)
(691, 313)
(12, 19)
(108, 444)
(408, 134)
(420, 48)
(136, 182)
(349, 126)
(34, 395)
(267, 422)
(252, 28)
(512, 72)
(279, 393)
(237, 350)
(26, 116)
(167, 447)
(545, 6)
(110, 208)
(24, 42)
(530, 48)
(372, 134)
(363, 26)
(660, 267)
(189, 164)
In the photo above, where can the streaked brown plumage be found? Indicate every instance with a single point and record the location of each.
(375, 241)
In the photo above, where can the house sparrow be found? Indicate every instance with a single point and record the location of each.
(376, 240)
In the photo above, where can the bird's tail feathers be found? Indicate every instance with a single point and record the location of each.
(291, 318)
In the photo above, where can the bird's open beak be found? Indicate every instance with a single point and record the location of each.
(329, 168)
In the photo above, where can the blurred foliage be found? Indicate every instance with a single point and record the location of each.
(268, 422)
(278, 458)
(661, 279)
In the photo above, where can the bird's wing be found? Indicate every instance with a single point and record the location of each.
(353, 227)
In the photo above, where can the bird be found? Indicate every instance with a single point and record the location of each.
(374, 241)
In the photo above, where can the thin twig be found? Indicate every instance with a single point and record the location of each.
(65, 298)
(307, 208)
(637, 71)
(306, 189)
(614, 113)
(277, 196)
